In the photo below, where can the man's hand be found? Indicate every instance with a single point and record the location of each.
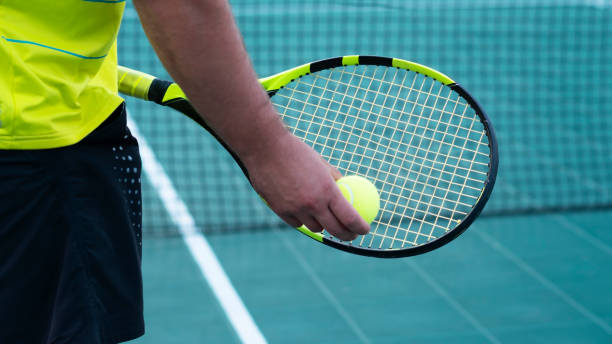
(299, 186)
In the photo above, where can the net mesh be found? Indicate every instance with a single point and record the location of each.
(540, 69)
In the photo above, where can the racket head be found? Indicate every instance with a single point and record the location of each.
(421, 138)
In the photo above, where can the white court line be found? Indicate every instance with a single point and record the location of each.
(521, 264)
(202, 253)
(565, 223)
(453, 302)
(583, 234)
(325, 291)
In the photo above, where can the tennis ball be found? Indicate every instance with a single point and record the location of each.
(362, 195)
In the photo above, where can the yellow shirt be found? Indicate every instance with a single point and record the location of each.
(58, 70)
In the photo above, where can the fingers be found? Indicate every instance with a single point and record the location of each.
(312, 224)
(339, 218)
(290, 220)
(348, 216)
(335, 228)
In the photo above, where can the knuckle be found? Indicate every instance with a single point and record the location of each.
(353, 223)
(343, 234)
(348, 236)
(310, 204)
(284, 213)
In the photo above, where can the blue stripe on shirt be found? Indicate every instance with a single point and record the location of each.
(53, 48)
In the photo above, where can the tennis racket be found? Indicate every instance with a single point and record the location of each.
(420, 137)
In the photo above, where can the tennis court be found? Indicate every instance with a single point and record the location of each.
(535, 267)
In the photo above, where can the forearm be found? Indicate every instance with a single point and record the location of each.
(199, 44)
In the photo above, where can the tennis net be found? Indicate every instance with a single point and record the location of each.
(541, 69)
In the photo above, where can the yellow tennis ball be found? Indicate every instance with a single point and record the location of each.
(362, 195)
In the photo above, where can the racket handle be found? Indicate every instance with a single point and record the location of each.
(134, 83)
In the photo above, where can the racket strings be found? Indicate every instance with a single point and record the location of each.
(388, 96)
(453, 212)
(434, 224)
(382, 83)
(418, 141)
(331, 100)
(352, 130)
(411, 219)
(375, 137)
(315, 140)
(376, 140)
(438, 99)
(395, 206)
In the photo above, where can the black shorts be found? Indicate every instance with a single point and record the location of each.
(70, 240)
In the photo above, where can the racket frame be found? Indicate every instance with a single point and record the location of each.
(147, 87)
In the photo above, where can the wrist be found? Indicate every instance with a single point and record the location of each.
(262, 136)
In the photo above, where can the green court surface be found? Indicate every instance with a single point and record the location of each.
(532, 279)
